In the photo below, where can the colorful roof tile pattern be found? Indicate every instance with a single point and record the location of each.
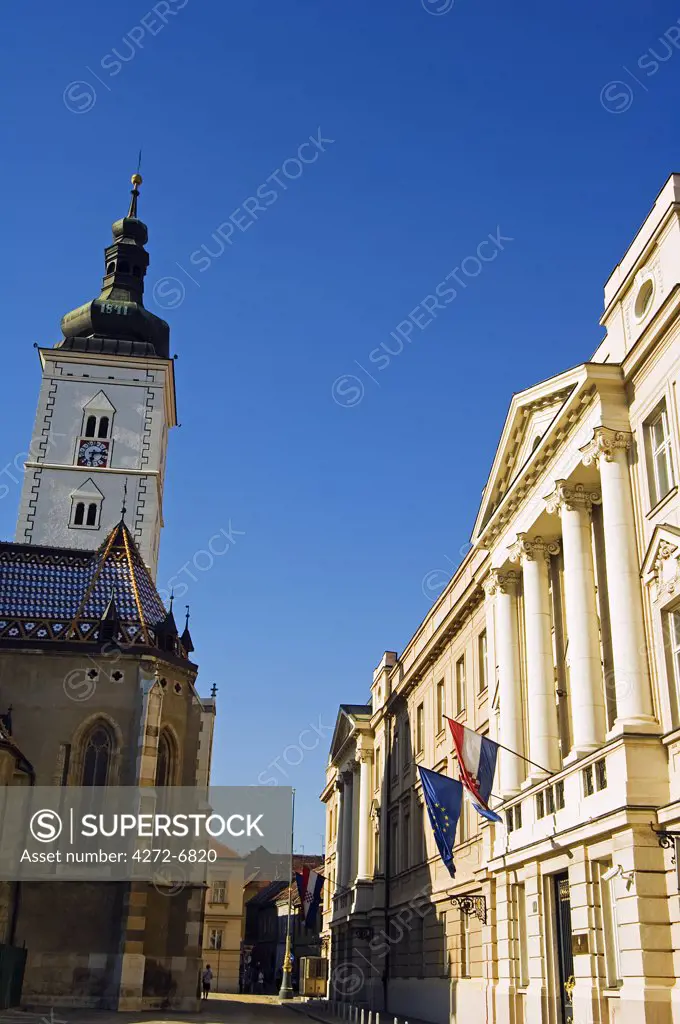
(49, 594)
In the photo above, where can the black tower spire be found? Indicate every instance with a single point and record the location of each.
(116, 322)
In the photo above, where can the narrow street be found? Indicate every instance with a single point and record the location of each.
(219, 1009)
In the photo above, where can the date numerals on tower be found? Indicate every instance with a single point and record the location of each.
(114, 307)
(93, 453)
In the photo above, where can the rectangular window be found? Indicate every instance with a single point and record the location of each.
(549, 801)
(419, 844)
(559, 796)
(513, 818)
(462, 831)
(378, 780)
(588, 783)
(460, 685)
(482, 658)
(406, 841)
(465, 946)
(441, 705)
(540, 805)
(395, 754)
(610, 929)
(219, 890)
(394, 839)
(659, 454)
(595, 777)
(420, 729)
(215, 938)
(522, 951)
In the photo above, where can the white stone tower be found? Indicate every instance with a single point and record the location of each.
(107, 401)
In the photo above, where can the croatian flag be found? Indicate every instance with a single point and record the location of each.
(310, 885)
(477, 762)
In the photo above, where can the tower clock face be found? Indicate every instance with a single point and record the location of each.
(93, 453)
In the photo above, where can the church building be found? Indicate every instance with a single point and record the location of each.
(97, 683)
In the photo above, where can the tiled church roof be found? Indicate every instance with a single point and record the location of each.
(49, 594)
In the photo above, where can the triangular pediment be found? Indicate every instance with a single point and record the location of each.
(99, 403)
(346, 724)
(88, 490)
(662, 552)
(530, 417)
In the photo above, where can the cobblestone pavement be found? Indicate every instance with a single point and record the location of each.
(218, 1009)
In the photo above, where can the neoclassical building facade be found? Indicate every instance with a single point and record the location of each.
(558, 636)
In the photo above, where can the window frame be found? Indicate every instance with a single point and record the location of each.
(420, 729)
(610, 928)
(461, 685)
(440, 696)
(483, 661)
(87, 502)
(657, 451)
(219, 888)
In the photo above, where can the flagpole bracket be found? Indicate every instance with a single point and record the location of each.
(471, 905)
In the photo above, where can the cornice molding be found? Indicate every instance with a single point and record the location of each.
(557, 435)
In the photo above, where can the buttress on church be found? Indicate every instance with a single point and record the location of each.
(97, 685)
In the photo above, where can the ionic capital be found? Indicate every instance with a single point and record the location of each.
(530, 549)
(364, 755)
(498, 582)
(605, 442)
(573, 497)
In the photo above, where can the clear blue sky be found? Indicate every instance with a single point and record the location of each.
(445, 127)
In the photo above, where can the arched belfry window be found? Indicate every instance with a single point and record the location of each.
(103, 428)
(97, 755)
(79, 514)
(92, 510)
(165, 760)
(90, 426)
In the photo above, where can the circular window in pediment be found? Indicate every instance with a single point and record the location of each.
(643, 301)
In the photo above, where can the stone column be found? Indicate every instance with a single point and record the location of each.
(504, 586)
(534, 556)
(346, 852)
(608, 449)
(574, 502)
(363, 864)
(354, 870)
(340, 826)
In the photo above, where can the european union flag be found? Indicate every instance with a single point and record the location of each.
(443, 799)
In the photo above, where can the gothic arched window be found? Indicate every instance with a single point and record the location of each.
(97, 755)
(165, 760)
(90, 426)
(79, 514)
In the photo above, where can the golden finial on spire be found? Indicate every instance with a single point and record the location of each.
(136, 180)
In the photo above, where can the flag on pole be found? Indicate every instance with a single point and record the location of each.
(477, 762)
(310, 886)
(443, 799)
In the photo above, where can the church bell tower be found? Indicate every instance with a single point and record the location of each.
(106, 403)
